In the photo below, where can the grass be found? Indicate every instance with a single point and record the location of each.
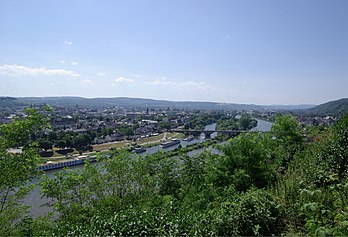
(107, 146)
(156, 140)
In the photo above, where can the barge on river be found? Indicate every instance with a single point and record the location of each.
(139, 150)
(170, 143)
(79, 161)
(189, 138)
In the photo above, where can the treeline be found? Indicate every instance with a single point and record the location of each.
(65, 139)
(225, 121)
(245, 122)
(200, 120)
(71, 139)
(290, 181)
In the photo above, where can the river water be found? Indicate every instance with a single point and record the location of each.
(262, 126)
(37, 202)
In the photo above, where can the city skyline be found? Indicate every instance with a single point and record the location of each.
(248, 52)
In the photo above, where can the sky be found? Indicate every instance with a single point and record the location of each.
(238, 51)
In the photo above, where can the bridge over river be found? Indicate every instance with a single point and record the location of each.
(262, 126)
(37, 202)
(207, 133)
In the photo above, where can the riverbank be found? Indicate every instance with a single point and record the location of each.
(151, 144)
(145, 142)
(192, 148)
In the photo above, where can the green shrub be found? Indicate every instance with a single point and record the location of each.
(254, 212)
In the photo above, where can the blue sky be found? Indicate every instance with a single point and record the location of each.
(247, 51)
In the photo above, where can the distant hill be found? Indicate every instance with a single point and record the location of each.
(336, 107)
(137, 102)
(66, 101)
(11, 102)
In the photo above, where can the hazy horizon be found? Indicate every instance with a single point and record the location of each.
(247, 52)
(149, 98)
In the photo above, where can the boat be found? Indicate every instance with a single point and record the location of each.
(189, 138)
(170, 143)
(57, 165)
(139, 149)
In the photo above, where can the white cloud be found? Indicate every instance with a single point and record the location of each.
(74, 63)
(192, 85)
(67, 42)
(123, 79)
(101, 74)
(202, 86)
(42, 71)
(86, 81)
(62, 61)
(159, 82)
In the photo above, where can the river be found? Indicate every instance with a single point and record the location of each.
(262, 126)
(37, 203)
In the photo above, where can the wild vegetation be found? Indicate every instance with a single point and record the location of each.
(245, 122)
(17, 169)
(290, 181)
(336, 107)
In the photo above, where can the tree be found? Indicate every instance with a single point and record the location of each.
(188, 125)
(52, 136)
(289, 136)
(45, 144)
(92, 134)
(81, 195)
(287, 130)
(68, 140)
(82, 140)
(335, 155)
(107, 131)
(17, 169)
(245, 122)
(61, 144)
(247, 162)
(340, 142)
(164, 125)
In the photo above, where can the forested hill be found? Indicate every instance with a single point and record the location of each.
(139, 102)
(11, 102)
(136, 102)
(336, 107)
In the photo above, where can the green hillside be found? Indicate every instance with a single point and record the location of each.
(136, 102)
(336, 107)
(141, 102)
(11, 102)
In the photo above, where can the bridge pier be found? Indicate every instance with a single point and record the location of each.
(207, 134)
(231, 133)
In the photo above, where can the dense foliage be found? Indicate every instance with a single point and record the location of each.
(17, 169)
(199, 121)
(245, 122)
(291, 181)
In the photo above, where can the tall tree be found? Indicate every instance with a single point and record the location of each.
(289, 136)
(17, 169)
